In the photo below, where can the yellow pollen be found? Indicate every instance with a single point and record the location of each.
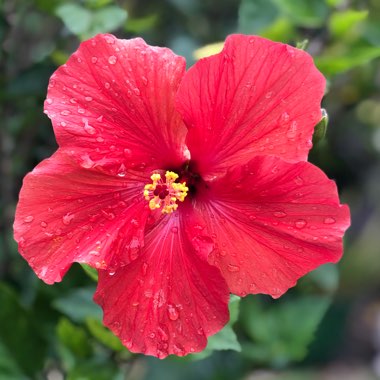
(165, 194)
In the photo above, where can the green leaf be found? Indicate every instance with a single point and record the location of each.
(78, 305)
(281, 30)
(91, 272)
(103, 335)
(226, 338)
(340, 23)
(85, 23)
(139, 25)
(106, 19)
(302, 45)
(76, 18)
(256, 15)
(281, 330)
(74, 338)
(93, 370)
(9, 369)
(321, 128)
(19, 333)
(310, 13)
(335, 61)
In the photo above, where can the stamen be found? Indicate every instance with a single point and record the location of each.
(165, 194)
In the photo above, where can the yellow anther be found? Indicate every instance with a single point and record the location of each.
(166, 193)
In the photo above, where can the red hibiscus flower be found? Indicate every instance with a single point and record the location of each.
(181, 188)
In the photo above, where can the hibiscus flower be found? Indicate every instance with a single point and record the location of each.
(181, 187)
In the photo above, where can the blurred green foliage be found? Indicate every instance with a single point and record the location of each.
(56, 332)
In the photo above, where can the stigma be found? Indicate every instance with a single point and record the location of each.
(164, 193)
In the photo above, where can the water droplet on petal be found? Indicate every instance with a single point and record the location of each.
(107, 85)
(94, 59)
(136, 91)
(329, 220)
(298, 180)
(144, 269)
(29, 219)
(66, 219)
(173, 313)
(88, 128)
(174, 230)
(88, 98)
(87, 163)
(280, 214)
(109, 39)
(284, 118)
(43, 224)
(144, 80)
(49, 101)
(300, 223)
(269, 94)
(233, 268)
(65, 112)
(121, 171)
(112, 60)
(292, 131)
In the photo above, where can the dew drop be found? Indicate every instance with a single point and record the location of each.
(43, 224)
(144, 80)
(280, 214)
(87, 163)
(63, 124)
(173, 313)
(269, 94)
(121, 171)
(112, 60)
(94, 59)
(49, 101)
(29, 219)
(284, 118)
(107, 85)
(109, 39)
(144, 269)
(67, 219)
(88, 98)
(65, 112)
(298, 180)
(136, 91)
(329, 220)
(233, 268)
(300, 223)
(87, 127)
(174, 230)
(127, 153)
(100, 139)
(81, 110)
(292, 131)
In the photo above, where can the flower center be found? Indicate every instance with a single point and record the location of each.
(166, 193)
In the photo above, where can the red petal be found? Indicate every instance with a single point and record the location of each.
(112, 104)
(169, 300)
(255, 97)
(68, 214)
(273, 222)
